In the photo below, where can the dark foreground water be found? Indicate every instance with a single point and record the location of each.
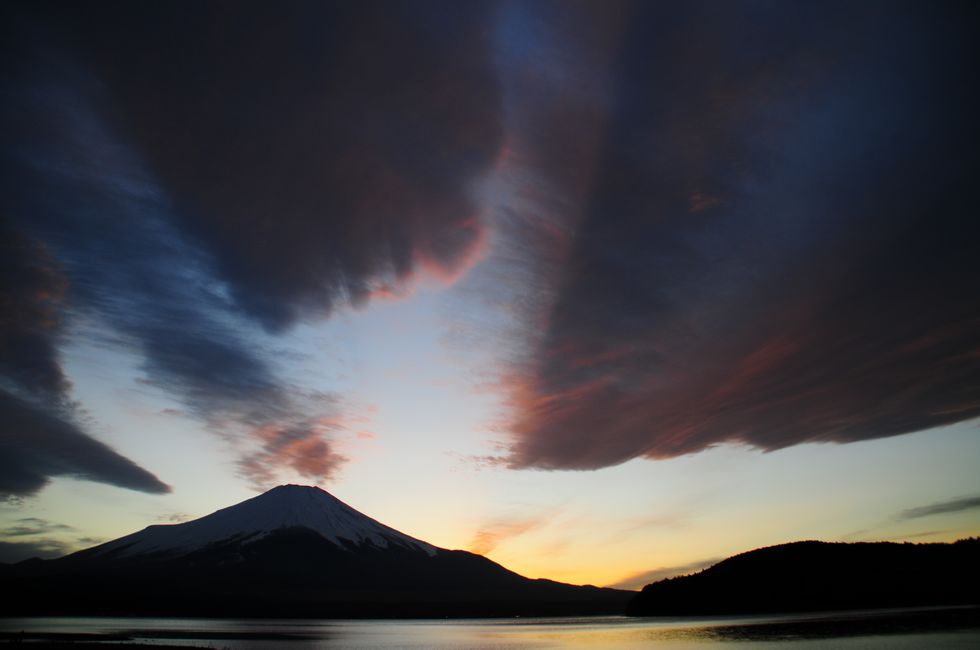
(899, 629)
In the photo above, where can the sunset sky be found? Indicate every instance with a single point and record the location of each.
(604, 290)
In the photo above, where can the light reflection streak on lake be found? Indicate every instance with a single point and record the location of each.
(857, 631)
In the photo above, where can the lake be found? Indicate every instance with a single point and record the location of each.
(880, 629)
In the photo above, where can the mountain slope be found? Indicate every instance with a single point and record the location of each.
(293, 551)
(822, 576)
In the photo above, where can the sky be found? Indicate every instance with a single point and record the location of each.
(606, 291)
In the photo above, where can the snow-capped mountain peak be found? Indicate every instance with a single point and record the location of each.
(283, 507)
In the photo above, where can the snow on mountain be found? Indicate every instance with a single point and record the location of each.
(286, 506)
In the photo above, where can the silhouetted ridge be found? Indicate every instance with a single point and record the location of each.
(808, 576)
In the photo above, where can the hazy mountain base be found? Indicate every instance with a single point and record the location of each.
(821, 576)
(295, 573)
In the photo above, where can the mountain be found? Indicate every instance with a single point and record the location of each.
(294, 551)
(284, 507)
(812, 576)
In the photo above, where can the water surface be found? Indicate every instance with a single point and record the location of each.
(899, 629)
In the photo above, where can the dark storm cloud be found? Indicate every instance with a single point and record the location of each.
(320, 151)
(943, 507)
(188, 165)
(39, 437)
(109, 225)
(36, 444)
(30, 290)
(777, 240)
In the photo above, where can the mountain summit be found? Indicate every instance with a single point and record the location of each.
(293, 551)
(281, 508)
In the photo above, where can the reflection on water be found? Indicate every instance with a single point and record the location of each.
(933, 628)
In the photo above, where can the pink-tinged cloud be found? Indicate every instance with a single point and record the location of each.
(470, 244)
(770, 394)
(303, 446)
(443, 269)
(496, 532)
(748, 265)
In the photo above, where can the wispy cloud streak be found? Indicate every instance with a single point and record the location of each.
(940, 508)
(497, 531)
(642, 579)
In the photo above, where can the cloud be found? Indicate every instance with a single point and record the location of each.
(31, 289)
(36, 445)
(950, 506)
(317, 151)
(494, 533)
(940, 508)
(202, 182)
(771, 245)
(175, 518)
(48, 539)
(642, 579)
(26, 526)
(678, 519)
(733, 223)
(300, 445)
(11, 552)
(918, 535)
(39, 432)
